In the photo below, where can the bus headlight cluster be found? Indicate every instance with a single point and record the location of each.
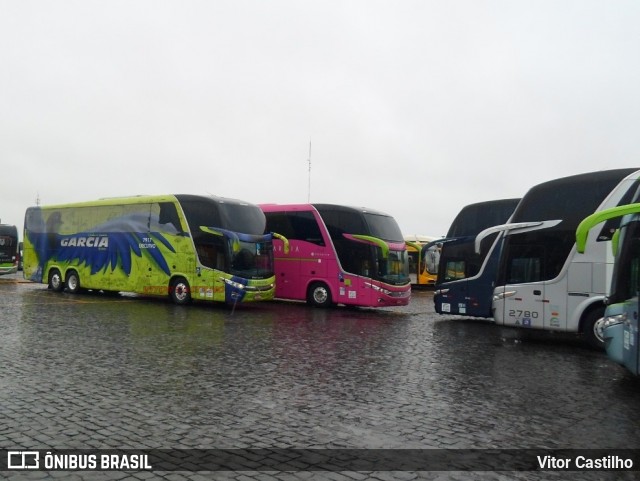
(387, 292)
(268, 287)
(614, 320)
(398, 293)
(233, 284)
(378, 288)
(504, 295)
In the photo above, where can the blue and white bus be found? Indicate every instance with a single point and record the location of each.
(541, 283)
(464, 285)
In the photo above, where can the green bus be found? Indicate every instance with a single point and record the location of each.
(185, 246)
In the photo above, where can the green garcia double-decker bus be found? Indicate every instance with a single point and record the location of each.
(184, 246)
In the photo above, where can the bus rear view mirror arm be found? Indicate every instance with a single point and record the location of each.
(515, 228)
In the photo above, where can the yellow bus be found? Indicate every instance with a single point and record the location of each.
(184, 246)
(423, 267)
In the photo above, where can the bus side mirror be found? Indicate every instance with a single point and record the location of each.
(284, 240)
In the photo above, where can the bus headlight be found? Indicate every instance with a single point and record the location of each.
(378, 288)
(233, 284)
(504, 295)
(614, 320)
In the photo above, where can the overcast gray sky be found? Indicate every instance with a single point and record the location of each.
(416, 108)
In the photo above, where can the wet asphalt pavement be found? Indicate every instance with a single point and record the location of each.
(92, 371)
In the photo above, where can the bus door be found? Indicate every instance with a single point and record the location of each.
(521, 301)
(524, 298)
(211, 247)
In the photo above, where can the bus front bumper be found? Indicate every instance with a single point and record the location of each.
(8, 270)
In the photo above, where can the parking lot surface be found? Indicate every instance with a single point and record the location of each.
(92, 371)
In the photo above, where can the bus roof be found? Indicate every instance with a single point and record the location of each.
(8, 229)
(474, 218)
(420, 238)
(142, 199)
(338, 207)
(542, 201)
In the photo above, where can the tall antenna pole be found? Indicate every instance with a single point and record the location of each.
(309, 184)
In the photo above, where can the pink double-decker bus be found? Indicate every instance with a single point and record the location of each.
(329, 254)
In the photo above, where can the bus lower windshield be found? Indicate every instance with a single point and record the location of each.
(252, 260)
(364, 259)
(394, 269)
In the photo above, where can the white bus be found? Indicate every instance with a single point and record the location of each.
(541, 284)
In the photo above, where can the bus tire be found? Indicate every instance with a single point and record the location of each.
(319, 295)
(55, 280)
(73, 282)
(179, 291)
(592, 328)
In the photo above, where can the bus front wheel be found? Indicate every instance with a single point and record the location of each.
(55, 281)
(319, 295)
(179, 291)
(593, 328)
(73, 282)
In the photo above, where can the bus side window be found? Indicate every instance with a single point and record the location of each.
(208, 255)
(168, 218)
(210, 250)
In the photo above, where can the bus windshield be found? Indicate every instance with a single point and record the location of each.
(474, 218)
(232, 215)
(367, 243)
(240, 217)
(626, 279)
(252, 258)
(383, 227)
(541, 254)
(240, 247)
(394, 269)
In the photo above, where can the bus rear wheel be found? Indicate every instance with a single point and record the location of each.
(55, 280)
(319, 295)
(73, 282)
(179, 291)
(593, 328)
